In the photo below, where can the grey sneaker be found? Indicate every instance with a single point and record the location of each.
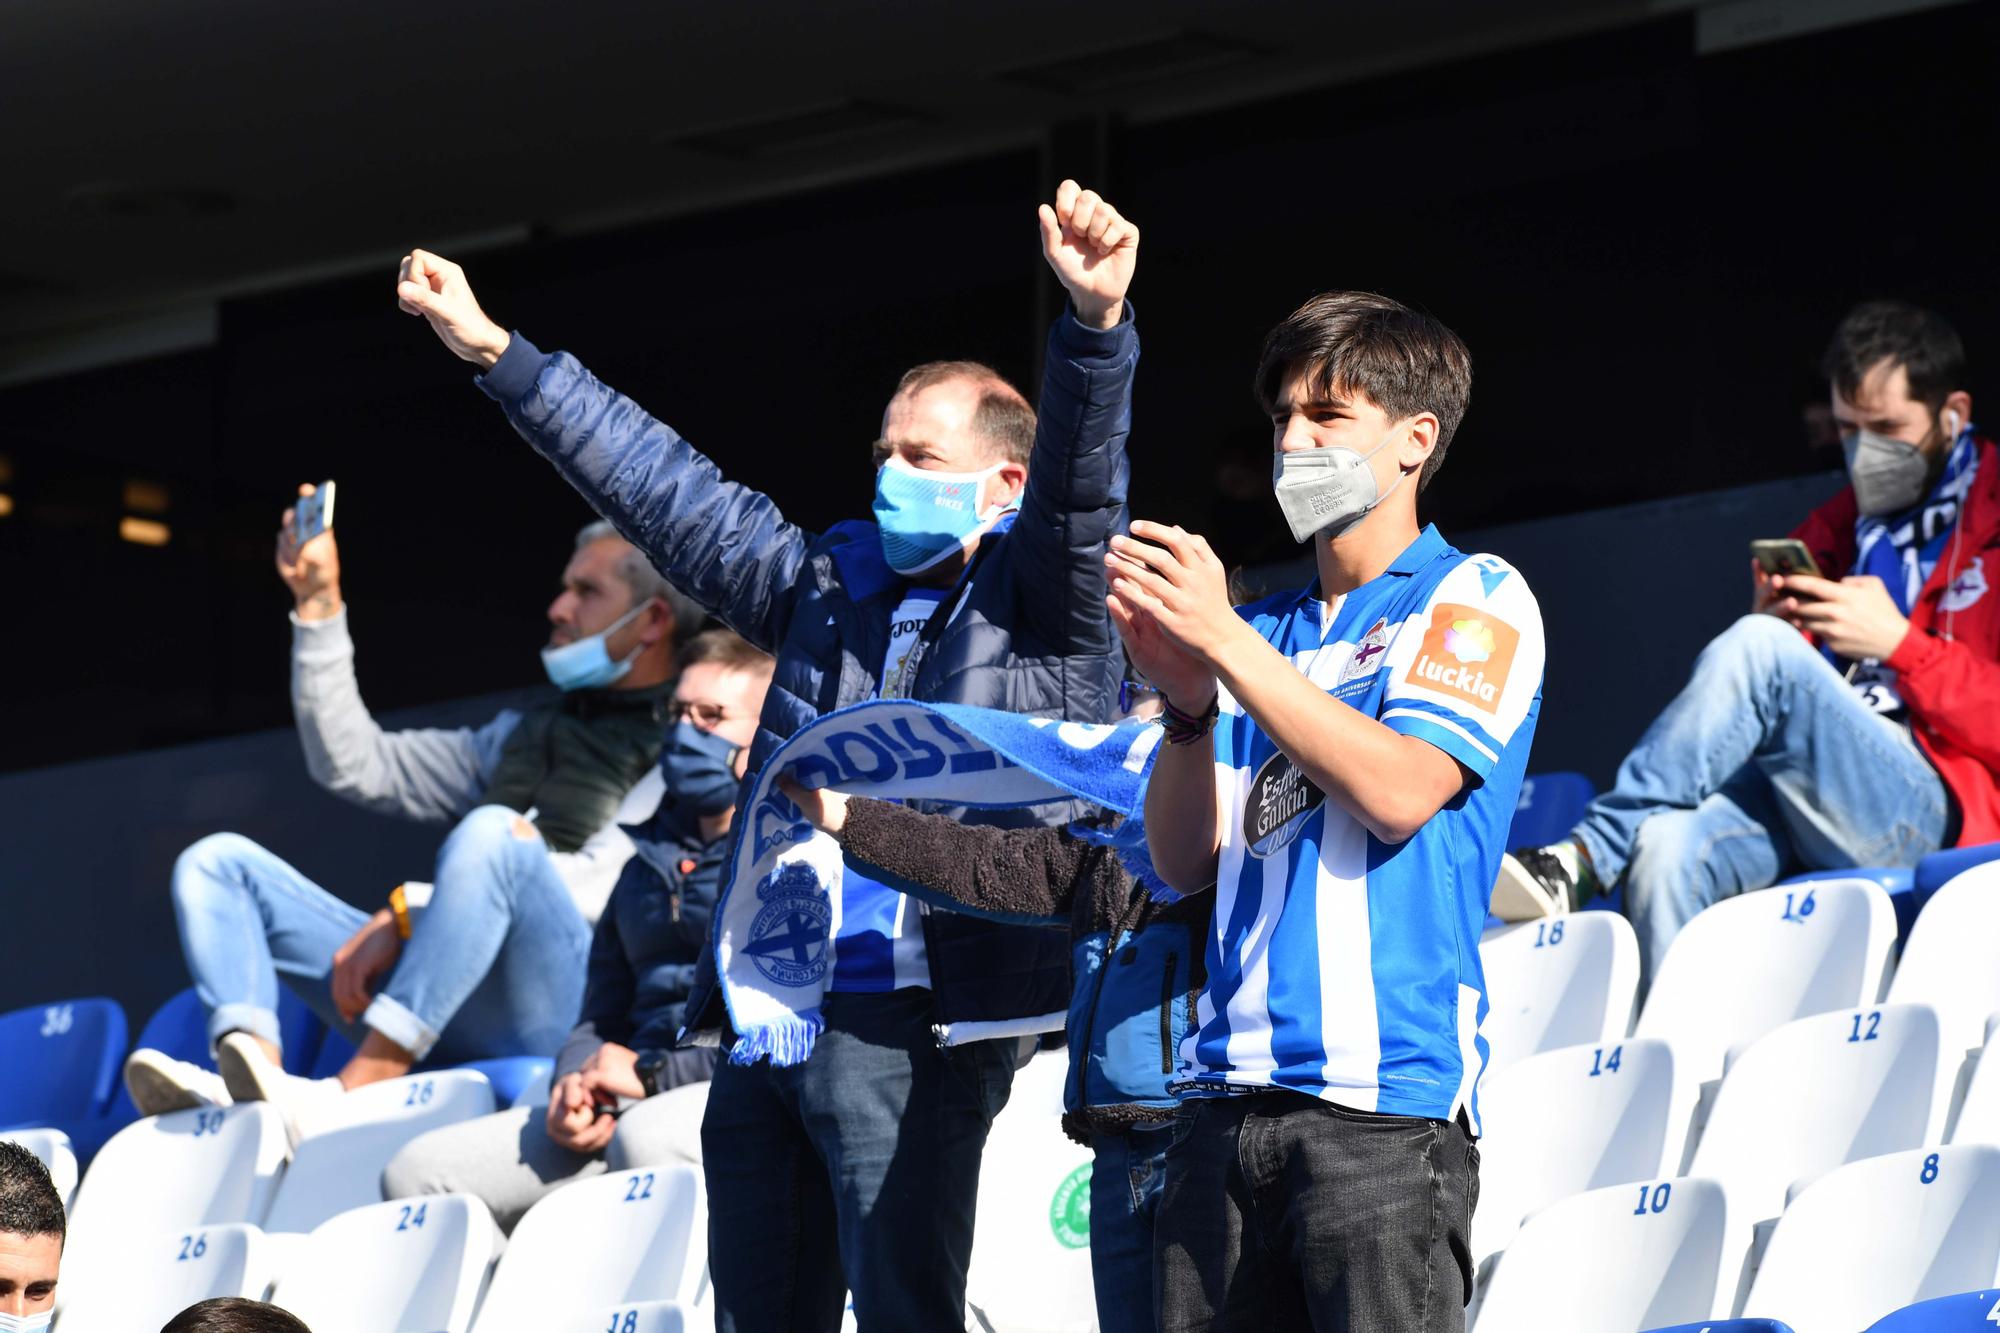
(159, 1083)
(1534, 883)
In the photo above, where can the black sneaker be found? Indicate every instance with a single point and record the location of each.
(1533, 884)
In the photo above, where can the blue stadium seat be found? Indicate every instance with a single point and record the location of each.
(1549, 807)
(1729, 1326)
(1969, 1311)
(1939, 867)
(510, 1073)
(507, 1073)
(64, 1061)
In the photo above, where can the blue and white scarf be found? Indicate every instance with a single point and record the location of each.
(1903, 549)
(775, 910)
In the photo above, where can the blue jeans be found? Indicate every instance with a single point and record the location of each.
(494, 965)
(1765, 760)
(1124, 1196)
(856, 1170)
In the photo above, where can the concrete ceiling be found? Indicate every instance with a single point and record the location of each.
(162, 157)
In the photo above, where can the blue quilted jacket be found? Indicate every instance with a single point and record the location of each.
(1031, 636)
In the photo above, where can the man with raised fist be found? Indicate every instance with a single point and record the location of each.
(980, 580)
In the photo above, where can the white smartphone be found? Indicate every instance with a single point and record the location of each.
(313, 514)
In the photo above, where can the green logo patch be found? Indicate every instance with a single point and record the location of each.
(1069, 1211)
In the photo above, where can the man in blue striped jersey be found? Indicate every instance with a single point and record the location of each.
(1369, 737)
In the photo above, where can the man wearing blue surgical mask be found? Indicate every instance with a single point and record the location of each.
(489, 961)
(980, 580)
(1849, 720)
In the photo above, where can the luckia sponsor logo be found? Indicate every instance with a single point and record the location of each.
(1471, 643)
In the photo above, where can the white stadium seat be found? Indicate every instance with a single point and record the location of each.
(1880, 1234)
(338, 1165)
(1979, 1118)
(1551, 984)
(618, 1240)
(643, 1317)
(156, 1280)
(53, 1148)
(1642, 1255)
(1747, 964)
(1034, 1213)
(1948, 959)
(1572, 1120)
(172, 1173)
(1818, 1093)
(405, 1266)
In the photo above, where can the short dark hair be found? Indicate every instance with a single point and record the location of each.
(1347, 343)
(235, 1314)
(29, 1203)
(1918, 340)
(1003, 417)
(727, 649)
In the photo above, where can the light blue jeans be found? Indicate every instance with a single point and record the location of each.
(494, 965)
(1765, 761)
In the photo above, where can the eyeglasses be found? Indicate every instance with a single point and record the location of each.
(704, 715)
(1132, 693)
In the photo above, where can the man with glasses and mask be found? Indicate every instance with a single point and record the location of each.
(1849, 720)
(489, 961)
(622, 1098)
(852, 1162)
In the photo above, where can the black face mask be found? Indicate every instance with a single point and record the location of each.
(699, 768)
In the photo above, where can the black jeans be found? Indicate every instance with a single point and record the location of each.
(1281, 1211)
(856, 1170)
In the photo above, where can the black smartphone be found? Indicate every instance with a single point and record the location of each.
(1783, 555)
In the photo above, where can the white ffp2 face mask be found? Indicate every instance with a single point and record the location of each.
(1327, 490)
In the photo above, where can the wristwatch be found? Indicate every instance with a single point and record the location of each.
(651, 1067)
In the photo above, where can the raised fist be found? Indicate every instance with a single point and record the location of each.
(1093, 251)
(311, 571)
(434, 287)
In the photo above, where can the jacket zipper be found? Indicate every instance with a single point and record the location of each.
(1167, 1015)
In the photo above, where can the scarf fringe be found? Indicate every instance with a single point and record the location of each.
(785, 1041)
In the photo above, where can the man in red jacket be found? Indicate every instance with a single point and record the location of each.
(1852, 719)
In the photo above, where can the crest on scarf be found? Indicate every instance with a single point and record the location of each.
(788, 937)
(1967, 588)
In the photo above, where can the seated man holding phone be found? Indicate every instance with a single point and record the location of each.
(1849, 720)
(489, 961)
(622, 1097)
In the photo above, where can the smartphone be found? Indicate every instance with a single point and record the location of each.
(313, 514)
(1783, 555)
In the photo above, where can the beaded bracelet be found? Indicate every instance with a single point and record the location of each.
(1187, 728)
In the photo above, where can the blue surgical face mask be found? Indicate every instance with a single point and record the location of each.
(928, 516)
(699, 768)
(586, 664)
(26, 1323)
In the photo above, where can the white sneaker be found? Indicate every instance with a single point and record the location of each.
(158, 1082)
(251, 1076)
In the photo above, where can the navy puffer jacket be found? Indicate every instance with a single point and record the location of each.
(1031, 636)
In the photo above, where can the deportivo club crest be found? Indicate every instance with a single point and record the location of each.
(788, 938)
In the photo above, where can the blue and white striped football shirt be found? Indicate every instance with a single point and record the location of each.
(1337, 965)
